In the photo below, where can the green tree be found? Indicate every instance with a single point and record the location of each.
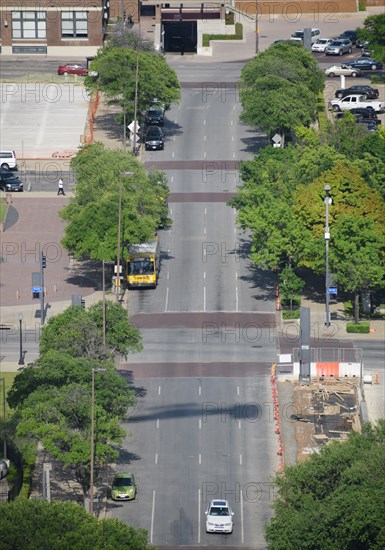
(128, 38)
(92, 215)
(33, 524)
(79, 332)
(279, 88)
(334, 500)
(61, 419)
(290, 284)
(374, 32)
(116, 68)
(357, 256)
(55, 369)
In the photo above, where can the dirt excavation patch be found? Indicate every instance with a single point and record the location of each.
(324, 411)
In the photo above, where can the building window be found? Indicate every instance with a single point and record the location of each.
(28, 24)
(74, 24)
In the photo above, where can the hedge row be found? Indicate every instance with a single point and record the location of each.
(237, 36)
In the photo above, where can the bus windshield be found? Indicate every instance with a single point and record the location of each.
(141, 267)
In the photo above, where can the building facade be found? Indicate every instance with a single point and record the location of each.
(67, 28)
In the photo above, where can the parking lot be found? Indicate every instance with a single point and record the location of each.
(40, 119)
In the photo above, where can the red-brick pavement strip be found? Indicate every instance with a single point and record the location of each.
(141, 371)
(37, 228)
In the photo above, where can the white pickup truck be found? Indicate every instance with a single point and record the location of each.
(354, 101)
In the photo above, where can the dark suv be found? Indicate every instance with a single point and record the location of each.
(367, 91)
(350, 35)
(9, 182)
(155, 116)
(154, 138)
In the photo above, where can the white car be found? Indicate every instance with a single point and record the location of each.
(337, 70)
(219, 517)
(321, 44)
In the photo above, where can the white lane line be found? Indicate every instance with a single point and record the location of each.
(232, 138)
(199, 516)
(233, 154)
(156, 458)
(242, 531)
(204, 298)
(173, 154)
(200, 390)
(234, 107)
(159, 389)
(200, 423)
(204, 155)
(173, 138)
(240, 460)
(204, 122)
(166, 306)
(204, 275)
(236, 299)
(204, 231)
(152, 515)
(205, 211)
(200, 459)
(168, 275)
(237, 390)
(172, 179)
(157, 423)
(239, 424)
(204, 138)
(235, 230)
(232, 123)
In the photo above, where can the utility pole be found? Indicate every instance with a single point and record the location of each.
(4, 421)
(43, 265)
(327, 202)
(256, 28)
(136, 102)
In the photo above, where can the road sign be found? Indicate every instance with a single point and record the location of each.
(132, 127)
(332, 290)
(277, 138)
(135, 137)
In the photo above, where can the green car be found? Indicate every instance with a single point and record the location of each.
(124, 486)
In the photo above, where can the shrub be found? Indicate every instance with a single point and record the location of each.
(295, 301)
(363, 327)
(237, 36)
(290, 314)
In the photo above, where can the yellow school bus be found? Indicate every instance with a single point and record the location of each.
(143, 264)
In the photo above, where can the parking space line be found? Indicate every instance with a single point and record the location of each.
(152, 516)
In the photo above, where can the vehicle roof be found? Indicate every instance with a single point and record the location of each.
(124, 475)
(219, 503)
(142, 248)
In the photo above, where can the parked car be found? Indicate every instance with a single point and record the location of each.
(364, 115)
(10, 182)
(8, 160)
(339, 47)
(355, 101)
(154, 138)
(338, 70)
(72, 69)
(349, 35)
(366, 52)
(360, 43)
(321, 44)
(299, 35)
(365, 64)
(367, 91)
(154, 116)
(124, 486)
(219, 517)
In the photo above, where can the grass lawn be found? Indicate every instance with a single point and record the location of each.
(9, 376)
(3, 209)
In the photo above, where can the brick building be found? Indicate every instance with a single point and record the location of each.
(58, 27)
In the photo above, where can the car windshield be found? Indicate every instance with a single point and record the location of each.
(155, 112)
(297, 34)
(336, 43)
(141, 267)
(219, 511)
(153, 134)
(122, 482)
(7, 175)
(321, 41)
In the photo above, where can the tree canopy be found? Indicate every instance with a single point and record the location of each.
(78, 332)
(116, 68)
(92, 215)
(279, 88)
(334, 500)
(281, 200)
(374, 32)
(32, 524)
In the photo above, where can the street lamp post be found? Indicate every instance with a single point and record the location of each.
(21, 358)
(119, 232)
(91, 503)
(256, 28)
(327, 202)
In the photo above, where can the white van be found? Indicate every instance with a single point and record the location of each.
(298, 35)
(8, 160)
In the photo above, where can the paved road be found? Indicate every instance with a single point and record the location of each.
(207, 343)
